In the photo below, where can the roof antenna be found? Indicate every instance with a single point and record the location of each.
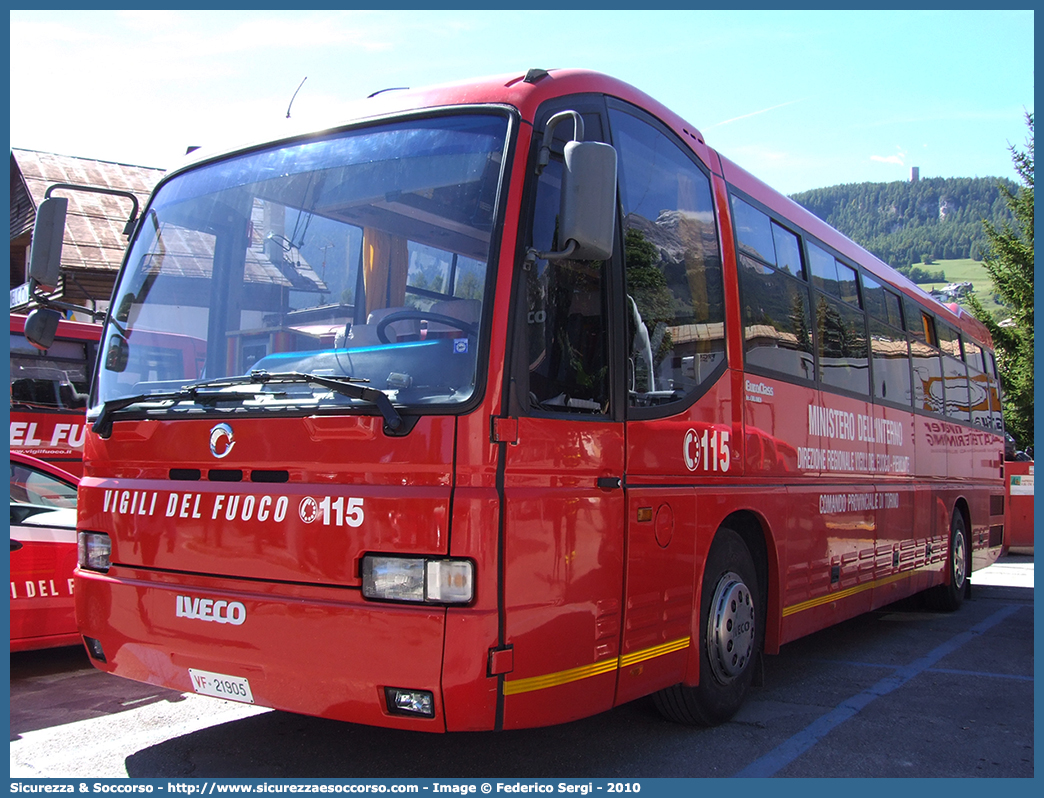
(295, 96)
(381, 91)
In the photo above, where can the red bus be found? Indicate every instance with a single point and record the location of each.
(49, 392)
(518, 402)
(49, 387)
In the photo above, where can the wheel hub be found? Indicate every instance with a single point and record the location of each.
(959, 560)
(730, 628)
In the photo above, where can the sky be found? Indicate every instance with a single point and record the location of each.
(802, 99)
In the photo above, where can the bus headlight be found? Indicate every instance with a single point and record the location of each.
(418, 579)
(93, 551)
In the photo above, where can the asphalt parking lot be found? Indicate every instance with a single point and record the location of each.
(900, 692)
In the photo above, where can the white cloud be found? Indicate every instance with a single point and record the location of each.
(899, 159)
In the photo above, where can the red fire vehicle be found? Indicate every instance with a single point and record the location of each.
(49, 392)
(49, 387)
(43, 554)
(518, 402)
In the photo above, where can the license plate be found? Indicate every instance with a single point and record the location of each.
(221, 685)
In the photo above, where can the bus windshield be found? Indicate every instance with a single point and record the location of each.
(359, 256)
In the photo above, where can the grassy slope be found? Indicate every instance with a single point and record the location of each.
(966, 271)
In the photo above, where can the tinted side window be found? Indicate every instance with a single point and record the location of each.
(927, 377)
(889, 347)
(824, 270)
(843, 355)
(891, 363)
(914, 320)
(763, 238)
(955, 372)
(994, 388)
(753, 231)
(979, 398)
(777, 320)
(832, 276)
(788, 251)
(673, 277)
(777, 315)
(894, 309)
(973, 355)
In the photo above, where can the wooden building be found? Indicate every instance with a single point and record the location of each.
(94, 242)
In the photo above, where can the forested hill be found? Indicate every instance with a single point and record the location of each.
(902, 223)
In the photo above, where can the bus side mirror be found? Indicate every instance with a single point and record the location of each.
(118, 354)
(41, 325)
(588, 214)
(45, 255)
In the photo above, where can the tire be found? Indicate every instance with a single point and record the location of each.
(948, 597)
(731, 636)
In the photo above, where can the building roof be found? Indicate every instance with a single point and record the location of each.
(94, 236)
(94, 242)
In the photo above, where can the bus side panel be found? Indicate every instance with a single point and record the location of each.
(932, 541)
(830, 566)
(777, 438)
(902, 509)
(899, 513)
(830, 556)
(929, 448)
(659, 590)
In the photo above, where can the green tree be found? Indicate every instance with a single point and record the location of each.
(1009, 260)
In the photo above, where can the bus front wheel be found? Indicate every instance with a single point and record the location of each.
(731, 633)
(947, 597)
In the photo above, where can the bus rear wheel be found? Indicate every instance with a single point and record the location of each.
(731, 634)
(948, 597)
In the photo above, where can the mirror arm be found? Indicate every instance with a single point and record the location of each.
(533, 255)
(46, 302)
(132, 221)
(545, 145)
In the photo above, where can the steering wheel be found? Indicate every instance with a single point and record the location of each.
(458, 324)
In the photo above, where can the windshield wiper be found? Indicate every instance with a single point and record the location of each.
(102, 425)
(346, 386)
(352, 387)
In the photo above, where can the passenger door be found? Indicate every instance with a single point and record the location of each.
(563, 466)
(680, 424)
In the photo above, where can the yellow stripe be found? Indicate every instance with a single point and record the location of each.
(562, 677)
(656, 651)
(851, 591)
(587, 671)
